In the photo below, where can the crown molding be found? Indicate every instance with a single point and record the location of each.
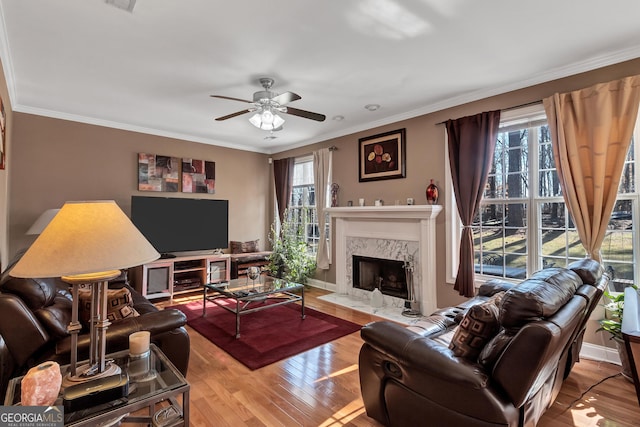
(133, 128)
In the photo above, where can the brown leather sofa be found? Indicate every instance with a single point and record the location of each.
(35, 313)
(411, 376)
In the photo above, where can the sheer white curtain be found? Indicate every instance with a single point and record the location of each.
(321, 182)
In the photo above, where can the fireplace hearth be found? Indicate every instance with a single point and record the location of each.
(387, 275)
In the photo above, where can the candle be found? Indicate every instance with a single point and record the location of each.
(139, 342)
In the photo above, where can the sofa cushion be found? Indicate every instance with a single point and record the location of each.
(477, 327)
(538, 297)
(589, 270)
(244, 247)
(493, 286)
(119, 305)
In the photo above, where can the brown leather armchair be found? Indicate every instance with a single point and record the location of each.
(35, 313)
(411, 376)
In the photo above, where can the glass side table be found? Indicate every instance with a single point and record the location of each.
(158, 391)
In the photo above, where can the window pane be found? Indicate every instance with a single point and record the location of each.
(628, 178)
(492, 215)
(515, 241)
(574, 246)
(500, 240)
(617, 246)
(516, 266)
(552, 215)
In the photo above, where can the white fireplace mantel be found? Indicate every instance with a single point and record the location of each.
(389, 226)
(417, 212)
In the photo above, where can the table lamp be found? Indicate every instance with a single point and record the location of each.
(87, 243)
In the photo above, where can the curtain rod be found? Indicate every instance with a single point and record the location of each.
(508, 108)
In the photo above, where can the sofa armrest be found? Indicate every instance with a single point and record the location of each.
(21, 332)
(397, 365)
(420, 353)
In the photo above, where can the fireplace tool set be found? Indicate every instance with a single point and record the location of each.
(411, 304)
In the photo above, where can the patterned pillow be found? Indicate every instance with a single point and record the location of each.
(244, 247)
(477, 327)
(119, 305)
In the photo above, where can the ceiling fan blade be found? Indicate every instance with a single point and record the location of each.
(231, 98)
(306, 114)
(232, 115)
(285, 98)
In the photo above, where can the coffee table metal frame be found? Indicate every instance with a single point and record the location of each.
(167, 384)
(247, 295)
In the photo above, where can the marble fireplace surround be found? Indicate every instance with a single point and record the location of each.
(388, 232)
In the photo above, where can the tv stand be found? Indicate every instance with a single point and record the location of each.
(171, 276)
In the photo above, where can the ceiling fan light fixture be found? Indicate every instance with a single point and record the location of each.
(266, 120)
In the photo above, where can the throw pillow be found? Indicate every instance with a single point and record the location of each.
(119, 305)
(477, 327)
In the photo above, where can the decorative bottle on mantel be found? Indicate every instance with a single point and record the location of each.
(432, 194)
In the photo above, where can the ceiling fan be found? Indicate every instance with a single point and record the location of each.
(267, 104)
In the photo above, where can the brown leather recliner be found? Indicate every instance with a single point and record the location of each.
(410, 375)
(35, 313)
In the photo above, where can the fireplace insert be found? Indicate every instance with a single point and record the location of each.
(385, 274)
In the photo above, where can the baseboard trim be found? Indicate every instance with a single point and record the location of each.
(328, 286)
(600, 353)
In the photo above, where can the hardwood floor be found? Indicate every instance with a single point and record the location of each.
(321, 388)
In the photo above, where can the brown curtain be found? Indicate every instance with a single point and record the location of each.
(590, 132)
(283, 177)
(472, 141)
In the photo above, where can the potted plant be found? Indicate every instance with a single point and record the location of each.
(289, 259)
(612, 323)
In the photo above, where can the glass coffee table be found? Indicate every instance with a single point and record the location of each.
(156, 390)
(250, 296)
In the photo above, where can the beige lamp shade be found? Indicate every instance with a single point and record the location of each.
(85, 238)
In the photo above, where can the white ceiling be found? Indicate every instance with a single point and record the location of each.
(153, 70)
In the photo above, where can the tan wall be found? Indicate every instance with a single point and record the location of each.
(56, 160)
(426, 160)
(4, 174)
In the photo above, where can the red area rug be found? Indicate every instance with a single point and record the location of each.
(266, 336)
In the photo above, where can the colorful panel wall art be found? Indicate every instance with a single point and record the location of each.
(198, 176)
(158, 173)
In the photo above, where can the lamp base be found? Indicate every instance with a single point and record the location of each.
(83, 375)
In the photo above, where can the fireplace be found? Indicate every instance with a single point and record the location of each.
(385, 274)
(395, 233)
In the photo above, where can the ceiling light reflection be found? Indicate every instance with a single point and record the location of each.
(387, 19)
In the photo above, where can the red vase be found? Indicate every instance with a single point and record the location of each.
(432, 194)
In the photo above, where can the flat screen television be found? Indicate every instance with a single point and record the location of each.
(182, 225)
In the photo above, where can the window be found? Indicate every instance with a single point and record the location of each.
(523, 224)
(302, 207)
